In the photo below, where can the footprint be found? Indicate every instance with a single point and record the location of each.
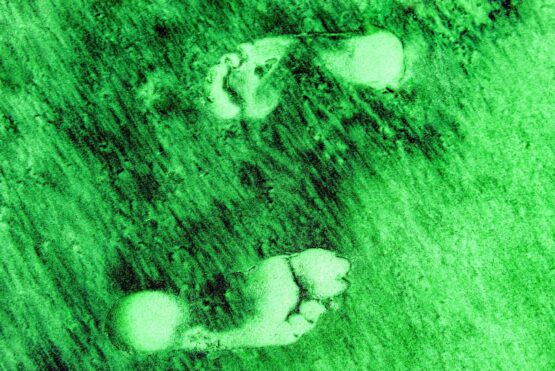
(243, 83)
(289, 294)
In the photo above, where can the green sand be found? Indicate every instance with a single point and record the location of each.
(115, 178)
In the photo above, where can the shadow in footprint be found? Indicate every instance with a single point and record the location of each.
(223, 304)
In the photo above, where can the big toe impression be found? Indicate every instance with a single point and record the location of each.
(375, 60)
(146, 321)
(321, 272)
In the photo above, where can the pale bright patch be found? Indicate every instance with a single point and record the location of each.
(147, 321)
(375, 60)
(321, 272)
(220, 102)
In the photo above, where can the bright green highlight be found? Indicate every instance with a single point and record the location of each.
(220, 102)
(321, 272)
(147, 321)
(375, 60)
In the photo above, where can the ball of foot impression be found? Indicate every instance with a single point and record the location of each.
(146, 321)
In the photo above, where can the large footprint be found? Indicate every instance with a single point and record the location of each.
(289, 292)
(242, 83)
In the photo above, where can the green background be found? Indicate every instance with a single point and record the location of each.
(114, 178)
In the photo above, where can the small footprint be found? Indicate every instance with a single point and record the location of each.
(242, 84)
(290, 293)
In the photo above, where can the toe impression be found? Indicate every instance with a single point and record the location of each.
(321, 272)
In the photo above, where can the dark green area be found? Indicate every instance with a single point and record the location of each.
(114, 178)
